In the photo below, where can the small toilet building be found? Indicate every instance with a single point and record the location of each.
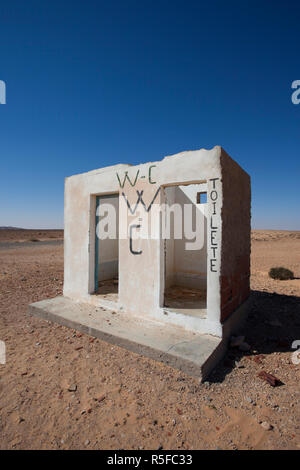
(162, 246)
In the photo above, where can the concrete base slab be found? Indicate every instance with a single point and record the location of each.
(192, 353)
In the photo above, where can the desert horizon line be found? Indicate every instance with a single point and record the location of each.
(8, 227)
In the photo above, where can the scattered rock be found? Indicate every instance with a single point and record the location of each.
(239, 365)
(87, 442)
(258, 359)
(267, 426)
(72, 388)
(269, 378)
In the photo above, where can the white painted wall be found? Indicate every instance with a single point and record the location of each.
(142, 278)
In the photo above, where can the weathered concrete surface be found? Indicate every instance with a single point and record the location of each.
(222, 265)
(142, 278)
(236, 226)
(193, 353)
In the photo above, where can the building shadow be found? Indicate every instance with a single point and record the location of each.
(272, 325)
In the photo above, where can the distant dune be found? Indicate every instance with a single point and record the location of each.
(17, 234)
(272, 235)
(12, 234)
(11, 228)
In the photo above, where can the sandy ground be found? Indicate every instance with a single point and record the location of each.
(119, 400)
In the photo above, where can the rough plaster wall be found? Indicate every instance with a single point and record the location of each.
(139, 259)
(76, 238)
(141, 278)
(79, 223)
(235, 255)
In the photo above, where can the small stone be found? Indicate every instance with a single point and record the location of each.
(249, 400)
(267, 426)
(239, 365)
(87, 442)
(72, 388)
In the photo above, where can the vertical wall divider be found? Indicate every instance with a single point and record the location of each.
(96, 243)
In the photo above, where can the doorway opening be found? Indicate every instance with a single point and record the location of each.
(107, 247)
(185, 263)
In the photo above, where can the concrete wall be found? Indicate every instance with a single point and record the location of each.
(141, 262)
(236, 227)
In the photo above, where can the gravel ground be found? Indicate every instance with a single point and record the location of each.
(63, 390)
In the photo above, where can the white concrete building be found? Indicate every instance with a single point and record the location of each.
(184, 281)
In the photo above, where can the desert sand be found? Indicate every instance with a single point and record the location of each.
(63, 390)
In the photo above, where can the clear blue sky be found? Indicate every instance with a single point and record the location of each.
(94, 83)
